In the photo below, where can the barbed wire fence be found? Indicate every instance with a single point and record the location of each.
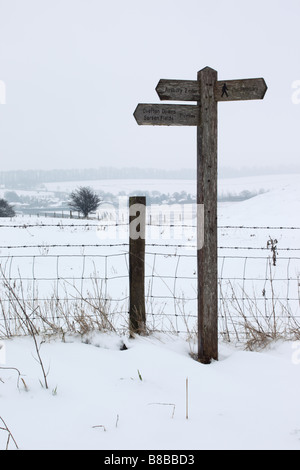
(75, 287)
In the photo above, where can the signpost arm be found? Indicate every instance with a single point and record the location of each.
(207, 253)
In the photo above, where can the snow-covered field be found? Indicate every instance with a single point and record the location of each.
(97, 400)
(101, 397)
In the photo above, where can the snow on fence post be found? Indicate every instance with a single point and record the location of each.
(137, 229)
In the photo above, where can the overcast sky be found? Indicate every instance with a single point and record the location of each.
(74, 71)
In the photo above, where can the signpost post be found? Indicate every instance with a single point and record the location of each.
(206, 91)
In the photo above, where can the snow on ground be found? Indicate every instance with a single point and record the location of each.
(101, 397)
(279, 206)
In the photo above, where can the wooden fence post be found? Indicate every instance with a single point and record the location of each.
(137, 229)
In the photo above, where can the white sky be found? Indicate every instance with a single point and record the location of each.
(74, 71)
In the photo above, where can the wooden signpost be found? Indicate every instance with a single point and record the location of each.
(206, 91)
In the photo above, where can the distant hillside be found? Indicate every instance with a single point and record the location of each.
(30, 179)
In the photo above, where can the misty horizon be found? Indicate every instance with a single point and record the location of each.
(34, 177)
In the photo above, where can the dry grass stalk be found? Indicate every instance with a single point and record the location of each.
(9, 434)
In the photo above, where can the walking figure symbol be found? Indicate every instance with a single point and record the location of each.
(224, 90)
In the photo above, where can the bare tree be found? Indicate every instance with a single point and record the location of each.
(84, 200)
(6, 210)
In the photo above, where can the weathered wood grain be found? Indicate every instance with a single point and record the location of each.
(224, 90)
(207, 253)
(236, 90)
(178, 90)
(137, 227)
(166, 115)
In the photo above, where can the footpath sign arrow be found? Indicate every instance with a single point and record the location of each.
(178, 90)
(235, 90)
(167, 115)
(225, 90)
